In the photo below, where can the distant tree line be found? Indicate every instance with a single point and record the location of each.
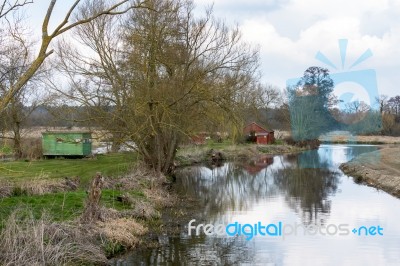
(309, 108)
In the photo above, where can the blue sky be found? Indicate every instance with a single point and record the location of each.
(291, 32)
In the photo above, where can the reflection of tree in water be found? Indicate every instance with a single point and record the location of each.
(230, 187)
(199, 250)
(311, 159)
(307, 190)
(306, 180)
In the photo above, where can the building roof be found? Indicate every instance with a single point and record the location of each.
(253, 125)
(66, 132)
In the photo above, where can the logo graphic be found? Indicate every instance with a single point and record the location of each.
(338, 105)
(279, 230)
(354, 107)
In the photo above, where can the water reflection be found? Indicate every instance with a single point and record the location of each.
(307, 191)
(306, 188)
(195, 251)
(239, 186)
(230, 187)
(255, 166)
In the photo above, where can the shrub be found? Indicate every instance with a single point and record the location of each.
(311, 143)
(112, 248)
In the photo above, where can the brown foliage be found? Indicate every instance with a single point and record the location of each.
(27, 241)
(312, 143)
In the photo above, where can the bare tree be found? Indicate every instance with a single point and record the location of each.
(15, 59)
(270, 95)
(394, 105)
(357, 107)
(355, 111)
(382, 100)
(167, 75)
(114, 8)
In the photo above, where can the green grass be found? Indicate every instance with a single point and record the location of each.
(62, 206)
(279, 142)
(108, 165)
(212, 144)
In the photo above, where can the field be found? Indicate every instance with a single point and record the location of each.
(63, 205)
(374, 139)
(108, 165)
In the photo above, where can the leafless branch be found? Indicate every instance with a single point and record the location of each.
(60, 29)
(9, 6)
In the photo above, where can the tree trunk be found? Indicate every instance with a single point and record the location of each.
(92, 211)
(160, 152)
(17, 138)
(17, 146)
(116, 142)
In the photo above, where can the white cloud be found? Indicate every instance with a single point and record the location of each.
(290, 33)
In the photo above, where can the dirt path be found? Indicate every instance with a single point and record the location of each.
(380, 169)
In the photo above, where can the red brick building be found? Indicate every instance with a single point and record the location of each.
(258, 134)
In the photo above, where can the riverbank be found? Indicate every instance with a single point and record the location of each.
(42, 215)
(129, 208)
(379, 169)
(191, 155)
(349, 139)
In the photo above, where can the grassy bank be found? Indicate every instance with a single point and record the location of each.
(379, 169)
(54, 222)
(42, 203)
(192, 154)
(64, 206)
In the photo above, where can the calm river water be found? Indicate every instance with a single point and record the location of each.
(305, 190)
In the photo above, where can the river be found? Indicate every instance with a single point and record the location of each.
(306, 193)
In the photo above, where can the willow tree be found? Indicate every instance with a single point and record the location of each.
(161, 74)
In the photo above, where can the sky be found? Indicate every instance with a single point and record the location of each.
(290, 33)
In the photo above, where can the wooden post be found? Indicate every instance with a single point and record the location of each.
(92, 211)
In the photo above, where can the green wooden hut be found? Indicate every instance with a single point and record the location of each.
(66, 143)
